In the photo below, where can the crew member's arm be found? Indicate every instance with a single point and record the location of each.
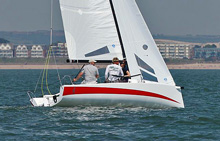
(97, 74)
(106, 73)
(127, 74)
(78, 77)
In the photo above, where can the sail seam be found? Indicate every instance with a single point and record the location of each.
(84, 12)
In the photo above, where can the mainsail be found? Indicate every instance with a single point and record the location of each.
(97, 29)
(90, 30)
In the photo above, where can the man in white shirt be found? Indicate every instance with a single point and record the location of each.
(113, 71)
(91, 73)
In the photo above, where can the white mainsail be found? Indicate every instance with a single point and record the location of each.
(141, 51)
(90, 30)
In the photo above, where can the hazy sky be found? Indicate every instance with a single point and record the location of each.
(172, 17)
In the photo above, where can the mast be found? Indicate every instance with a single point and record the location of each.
(118, 30)
(51, 24)
(51, 41)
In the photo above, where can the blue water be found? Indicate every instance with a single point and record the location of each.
(198, 121)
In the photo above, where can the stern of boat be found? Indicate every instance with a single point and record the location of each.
(45, 101)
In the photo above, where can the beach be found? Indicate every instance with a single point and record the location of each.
(78, 66)
(210, 66)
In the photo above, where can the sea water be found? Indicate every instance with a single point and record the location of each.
(199, 120)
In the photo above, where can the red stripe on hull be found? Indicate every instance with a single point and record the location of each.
(101, 90)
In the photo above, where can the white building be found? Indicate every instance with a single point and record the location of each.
(37, 51)
(175, 51)
(6, 50)
(60, 50)
(21, 51)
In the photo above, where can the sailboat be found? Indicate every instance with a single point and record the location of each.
(102, 30)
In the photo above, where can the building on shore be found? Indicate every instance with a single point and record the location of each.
(22, 51)
(175, 50)
(206, 53)
(29, 51)
(6, 51)
(170, 49)
(60, 50)
(38, 51)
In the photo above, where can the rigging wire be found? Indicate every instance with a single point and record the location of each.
(38, 81)
(45, 71)
(58, 74)
(51, 42)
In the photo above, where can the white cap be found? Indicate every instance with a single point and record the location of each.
(92, 60)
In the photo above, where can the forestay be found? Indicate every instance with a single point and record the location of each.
(90, 30)
(141, 51)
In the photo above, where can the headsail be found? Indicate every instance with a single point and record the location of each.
(90, 30)
(141, 51)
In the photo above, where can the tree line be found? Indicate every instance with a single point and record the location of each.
(4, 40)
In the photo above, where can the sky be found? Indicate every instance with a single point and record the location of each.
(168, 17)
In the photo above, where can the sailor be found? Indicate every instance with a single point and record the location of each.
(113, 72)
(91, 73)
(125, 70)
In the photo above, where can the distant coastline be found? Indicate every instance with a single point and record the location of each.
(78, 66)
(42, 37)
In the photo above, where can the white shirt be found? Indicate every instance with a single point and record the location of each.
(113, 69)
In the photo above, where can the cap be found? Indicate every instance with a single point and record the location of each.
(115, 59)
(92, 60)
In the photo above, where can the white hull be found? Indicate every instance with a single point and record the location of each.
(147, 94)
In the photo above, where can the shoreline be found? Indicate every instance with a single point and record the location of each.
(196, 66)
(78, 66)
